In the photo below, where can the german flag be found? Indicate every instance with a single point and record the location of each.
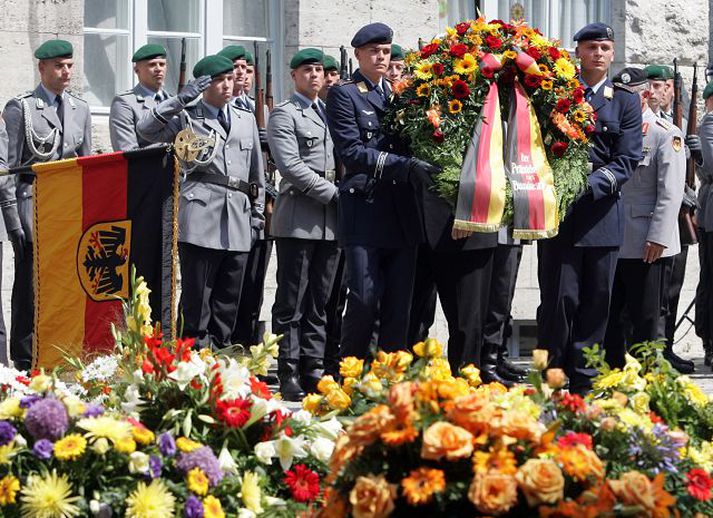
(95, 217)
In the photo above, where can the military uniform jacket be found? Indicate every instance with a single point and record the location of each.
(3, 165)
(705, 173)
(127, 109)
(377, 205)
(304, 154)
(75, 140)
(652, 196)
(210, 215)
(597, 218)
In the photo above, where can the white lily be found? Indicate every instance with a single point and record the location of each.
(132, 400)
(185, 372)
(265, 451)
(226, 461)
(330, 429)
(289, 448)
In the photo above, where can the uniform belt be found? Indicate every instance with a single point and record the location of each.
(250, 189)
(330, 174)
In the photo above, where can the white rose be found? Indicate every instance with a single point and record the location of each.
(265, 451)
(139, 462)
(322, 449)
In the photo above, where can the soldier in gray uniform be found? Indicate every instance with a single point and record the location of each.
(304, 225)
(222, 198)
(46, 124)
(652, 198)
(128, 108)
(4, 360)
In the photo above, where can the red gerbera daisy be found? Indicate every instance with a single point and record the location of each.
(563, 105)
(259, 388)
(699, 484)
(532, 81)
(573, 402)
(303, 482)
(234, 412)
(554, 53)
(571, 439)
(458, 50)
(460, 89)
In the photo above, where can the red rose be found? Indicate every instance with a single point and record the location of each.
(558, 148)
(458, 50)
(532, 81)
(303, 483)
(429, 49)
(437, 136)
(493, 42)
(460, 89)
(487, 72)
(534, 53)
(554, 53)
(563, 105)
(437, 69)
(578, 95)
(462, 28)
(699, 484)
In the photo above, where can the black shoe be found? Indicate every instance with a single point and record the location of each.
(289, 383)
(708, 357)
(23, 365)
(491, 376)
(513, 369)
(311, 371)
(681, 365)
(508, 375)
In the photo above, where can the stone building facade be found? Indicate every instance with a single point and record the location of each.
(106, 32)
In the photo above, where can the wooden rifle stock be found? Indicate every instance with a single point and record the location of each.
(686, 225)
(269, 100)
(182, 69)
(692, 128)
(259, 93)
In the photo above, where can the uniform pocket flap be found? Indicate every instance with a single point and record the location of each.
(246, 143)
(610, 127)
(642, 211)
(198, 193)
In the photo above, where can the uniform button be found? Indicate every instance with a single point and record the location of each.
(651, 213)
(230, 195)
(190, 195)
(391, 146)
(227, 146)
(369, 123)
(229, 162)
(351, 191)
(393, 181)
(66, 145)
(605, 129)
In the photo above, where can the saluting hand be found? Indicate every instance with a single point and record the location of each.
(652, 251)
(193, 89)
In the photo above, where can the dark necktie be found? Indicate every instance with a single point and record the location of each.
(316, 108)
(380, 91)
(158, 98)
(60, 110)
(224, 121)
(588, 94)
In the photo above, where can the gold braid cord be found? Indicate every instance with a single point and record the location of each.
(174, 243)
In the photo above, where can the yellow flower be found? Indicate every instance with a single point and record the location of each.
(423, 90)
(7, 452)
(212, 508)
(351, 367)
(431, 348)
(423, 70)
(611, 380)
(509, 54)
(127, 445)
(10, 408)
(143, 435)
(472, 374)
(348, 385)
(564, 69)
(573, 83)
(466, 65)
(451, 33)
(338, 399)
(640, 402)
(579, 462)
(197, 481)
(251, 493)
(437, 369)
(539, 359)
(546, 84)
(421, 484)
(105, 426)
(70, 447)
(9, 486)
(48, 497)
(152, 501)
(327, 385)
(186, 445)
(692, 392)
(311, 403)
(371, 385)
(41, 383)
(580, 116)
(391, 366)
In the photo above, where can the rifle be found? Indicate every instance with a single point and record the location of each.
(351, 69)
(269, 100)
(264, 98)
(182, 69)
(259, 93)
(343, 64)
(686, 225)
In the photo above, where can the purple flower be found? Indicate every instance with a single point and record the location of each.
(202, 458)
(193, 508)
(43, 449)
(155, 466)
(166, 444)
(28, 401)
(93, 410)
(7, 433)
(47, 419)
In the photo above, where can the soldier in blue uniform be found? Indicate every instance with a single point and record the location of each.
(576, 268)
(379, 219)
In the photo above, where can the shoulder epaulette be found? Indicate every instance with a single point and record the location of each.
(283, 103)
(128, 92)
(361, 86)
(25, 95)
(622, 86)
(664, 123)
(344, 82)
(243, 109)
(75, 96)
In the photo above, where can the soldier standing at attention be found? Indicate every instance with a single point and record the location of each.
(222, 198)
(331, 76)
(128, 108)
(651, 201)
(249, 78)
(379, 215)
(305, 227)
(396, 65)
(576, 268)
(48, 123)
(4, 360)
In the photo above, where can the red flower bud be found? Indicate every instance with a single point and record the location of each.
(437, 69)
(558, 148)
(437, 136)
(493, 42)
(563, 105)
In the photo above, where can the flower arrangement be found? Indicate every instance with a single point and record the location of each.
(437, 105)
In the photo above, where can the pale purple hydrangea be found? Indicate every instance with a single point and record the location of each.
(7, 433)
(155, 466)
(202, 458)
(166, 444)
(43, 449)
(93, 410)
(47, 419)
(193, 508)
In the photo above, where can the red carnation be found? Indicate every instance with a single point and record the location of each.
(462, 28)
(554, 53)
(437, 136)
(558, 148)
(303, 482)
(533, 53)
(458, 50)
(655, 419)
(532, 81)
(259, 388)
(572, 439)
(437, 69)
(233, 412)
(493, 42)
(460, 89)
(487, 72)
(563, 105)
(589, 129)
(578, 95)
(573, 402)
(699, 484)
(429, 49)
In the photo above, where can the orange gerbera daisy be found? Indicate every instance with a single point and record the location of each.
(400, 433)
(498, 458)
(421, 484)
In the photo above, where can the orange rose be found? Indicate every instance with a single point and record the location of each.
(326, 385)
(521, 425)
(634, 488)
(367, 427)
(580, 463)
(443, 439)
(338, 399)
(344, 451)
(556, 378)
(541, 481)
(493, 493)
(401, 401)
(372, 497)
(474, 412)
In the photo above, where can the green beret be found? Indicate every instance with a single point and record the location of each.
(149, 51)
(54, 49)
(212, 66)
(659, 72)
(249, 58)
(397, 53)
(306, 56)
(233, 52)
(330, 63)
(708, 91)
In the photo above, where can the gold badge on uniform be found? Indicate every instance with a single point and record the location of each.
(677, 144)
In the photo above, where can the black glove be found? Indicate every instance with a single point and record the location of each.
(17, 238)
(263, 137)
(694, 143)
(422, 172)
(193, 89)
